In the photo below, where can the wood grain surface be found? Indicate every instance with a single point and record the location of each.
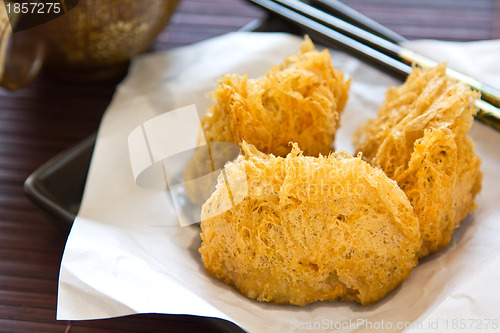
(41, 120)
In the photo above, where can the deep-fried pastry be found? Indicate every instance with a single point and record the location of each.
(308, 229)
(420, 140)
(297, 101)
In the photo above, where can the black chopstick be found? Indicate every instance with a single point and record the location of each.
(489, 94)
(375, 50)
(332, 38)
(350, 15)
(380, 44)
(487, 113)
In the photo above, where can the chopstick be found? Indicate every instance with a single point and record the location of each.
(378, 51)
(333, 38)
(489, 94)
(348, 14)
(487, 113)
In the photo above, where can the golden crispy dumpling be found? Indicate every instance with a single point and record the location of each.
(299, 100)
(308, 229)
(420, 140)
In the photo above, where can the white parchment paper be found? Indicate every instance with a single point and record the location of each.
(127, 254)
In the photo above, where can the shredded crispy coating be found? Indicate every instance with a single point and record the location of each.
(299, 100)
(308, 229)
(420, 140)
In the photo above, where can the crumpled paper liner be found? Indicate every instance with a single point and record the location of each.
(126, 252)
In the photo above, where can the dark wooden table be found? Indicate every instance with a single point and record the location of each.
(38, 122)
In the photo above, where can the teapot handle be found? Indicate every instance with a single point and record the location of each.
(21, 53)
